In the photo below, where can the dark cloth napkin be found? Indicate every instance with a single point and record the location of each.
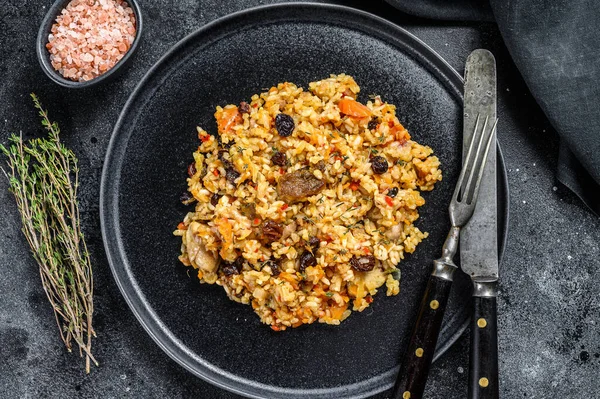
(556, 46)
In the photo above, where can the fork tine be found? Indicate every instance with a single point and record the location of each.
(468, 191)
(458, 190)
(483, 161)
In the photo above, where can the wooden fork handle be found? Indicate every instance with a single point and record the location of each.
(411, 380)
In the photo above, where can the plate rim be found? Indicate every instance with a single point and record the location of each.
(136, 299)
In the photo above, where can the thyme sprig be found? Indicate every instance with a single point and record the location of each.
(43, 176)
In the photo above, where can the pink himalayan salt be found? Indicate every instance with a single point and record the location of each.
(89, 37)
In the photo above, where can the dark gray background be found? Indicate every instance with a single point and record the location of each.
(548, 309)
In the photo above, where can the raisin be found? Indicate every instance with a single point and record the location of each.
(231, 268)
(271, 231)
(363, 264)
(231, 174)
(224, 145)
(275, 265)
(307, 259)
(186, 198)
(279, 158)
(284, 124)
(214, 200)
(379, 165)
(314, 243)
(244, 107)
(373, 124)
(191, 169)
(393, 192)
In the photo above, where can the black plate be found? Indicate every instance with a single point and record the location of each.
(144, 175)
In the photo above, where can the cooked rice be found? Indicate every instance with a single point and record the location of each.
(352, 216)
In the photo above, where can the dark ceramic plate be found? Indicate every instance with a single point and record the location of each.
(145, 170)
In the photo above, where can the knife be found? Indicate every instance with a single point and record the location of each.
(480, 106)
(479, 240)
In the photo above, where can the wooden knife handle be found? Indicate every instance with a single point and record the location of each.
(483, 367)
(411, 380)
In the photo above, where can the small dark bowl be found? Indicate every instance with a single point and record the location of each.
(44, 56)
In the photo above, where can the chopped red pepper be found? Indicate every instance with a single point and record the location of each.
(354, 185)
(216, 172)
(205, 138)
(369, 299)
(284, 207)
(389, 200)
(256, 220)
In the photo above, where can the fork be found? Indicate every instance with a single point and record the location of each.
(412, 377)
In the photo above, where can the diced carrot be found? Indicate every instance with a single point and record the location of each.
(289, 278)
(366, 250)
(228, 118)
(352, 290)
(338, 311)
(284, 207)
(369, 299)
(226, 232)
(256, 221)
(389, 200)
(354, 185)
(400, 133)
(318, 290)
(182, 226)
(353, 108)
(216, 172)
(205, 137)
(275, 328)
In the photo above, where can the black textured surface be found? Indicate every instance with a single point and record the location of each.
(548, 313)
(158, 124)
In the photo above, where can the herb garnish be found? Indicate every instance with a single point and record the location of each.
(43, 176)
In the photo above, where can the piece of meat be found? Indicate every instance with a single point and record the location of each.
(298, 185)
(197, 253)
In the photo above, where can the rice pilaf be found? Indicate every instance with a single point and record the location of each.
(305, 202)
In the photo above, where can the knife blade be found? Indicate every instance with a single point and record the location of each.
(479, 238)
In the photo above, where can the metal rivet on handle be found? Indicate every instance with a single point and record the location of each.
(483, 382)
(406, 395)
(481, 323)
(434, 304)
(419, 352)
